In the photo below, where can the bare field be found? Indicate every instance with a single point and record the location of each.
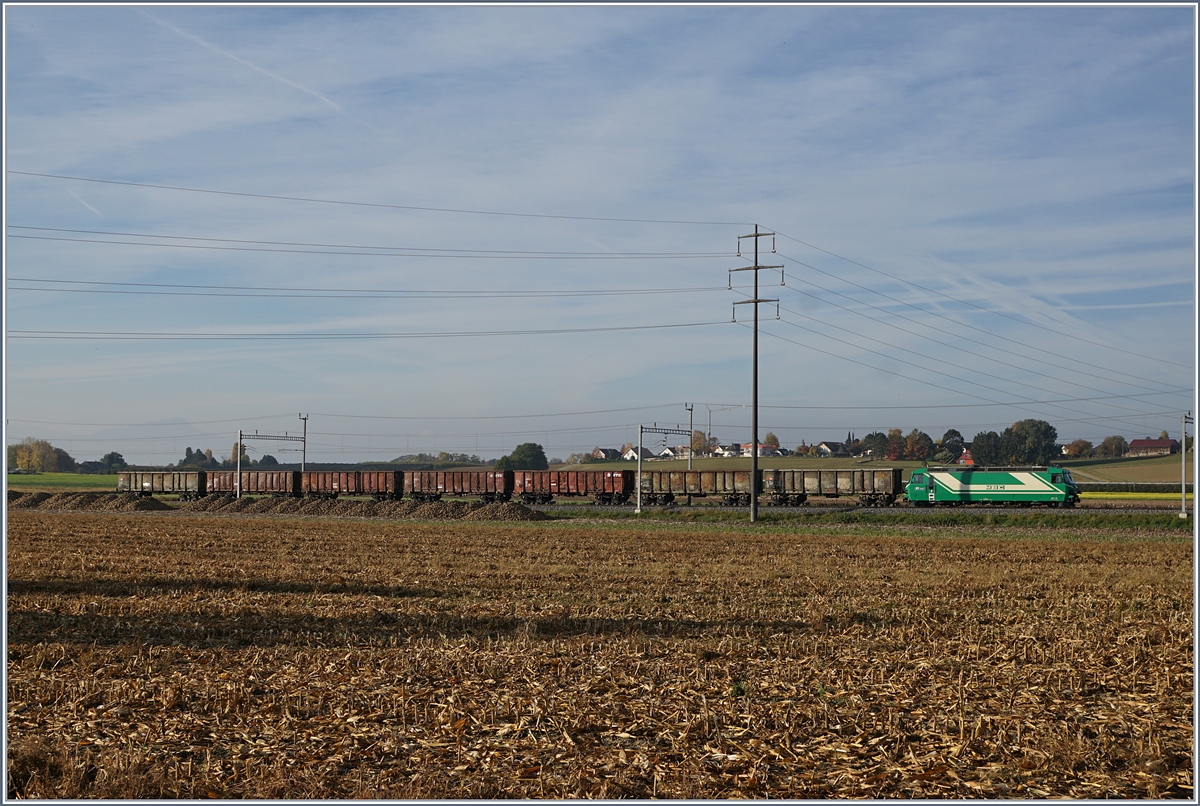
(152, 655)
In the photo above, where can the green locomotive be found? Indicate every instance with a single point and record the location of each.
(1025, 486)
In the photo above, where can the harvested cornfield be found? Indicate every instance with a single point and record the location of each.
(192, 657)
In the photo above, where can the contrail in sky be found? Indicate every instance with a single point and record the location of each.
(85, 204)
(252, 66)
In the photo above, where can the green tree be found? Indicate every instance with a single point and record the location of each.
(526, 456)
(952, 443)
(874, 444)
(1112, 447)
(985, 448)
(771, 441)
(112, 461)
(1030, 442)
(268, 459)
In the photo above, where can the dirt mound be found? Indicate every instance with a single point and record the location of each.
(395, 509)
(13, 495)
(96, 502)
(271, 505)
(443, 510)
(27, 500)
(504, 512)
(208, 503)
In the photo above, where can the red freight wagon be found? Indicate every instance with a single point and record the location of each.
(605, 486)
(381, 484)
(421, 485)
(489, 485)
(532, 486)
(431, 485)
(220, 481)
(329, 483)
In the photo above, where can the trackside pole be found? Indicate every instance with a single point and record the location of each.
(638, 508)
(1187, 418)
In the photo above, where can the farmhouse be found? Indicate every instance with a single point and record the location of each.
(1153, 447)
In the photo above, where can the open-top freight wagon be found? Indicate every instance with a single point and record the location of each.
(784, 487)
(1023, 486)
(603, 486)
(189, 485)
(381, 484)
(665, 486)
(431, 485)
(872, 486)
(254, 482)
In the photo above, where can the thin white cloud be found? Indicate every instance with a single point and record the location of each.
(322, 98)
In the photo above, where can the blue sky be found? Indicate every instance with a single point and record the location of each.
(985, 214)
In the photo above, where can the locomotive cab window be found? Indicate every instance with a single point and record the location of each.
(1056, 478)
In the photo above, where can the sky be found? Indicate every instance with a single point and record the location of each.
(453, 228)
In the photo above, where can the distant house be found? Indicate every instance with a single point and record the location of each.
(1153, 447)
(631, 455)
(833, 449)
(91, 467)
(726, 451)
(606, 453)
(965, 458)
(668, 453)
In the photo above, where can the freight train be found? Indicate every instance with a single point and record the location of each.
(876, 486)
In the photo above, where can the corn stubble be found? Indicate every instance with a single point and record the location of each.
(221, 657)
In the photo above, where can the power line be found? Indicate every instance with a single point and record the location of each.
(330, 293)
(1016, 404)
(454, 252)
(500, 416)
(447, 253)
(1071, 368)
(948, 363)
(112, 335)
(376, 204)
(973, 305)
